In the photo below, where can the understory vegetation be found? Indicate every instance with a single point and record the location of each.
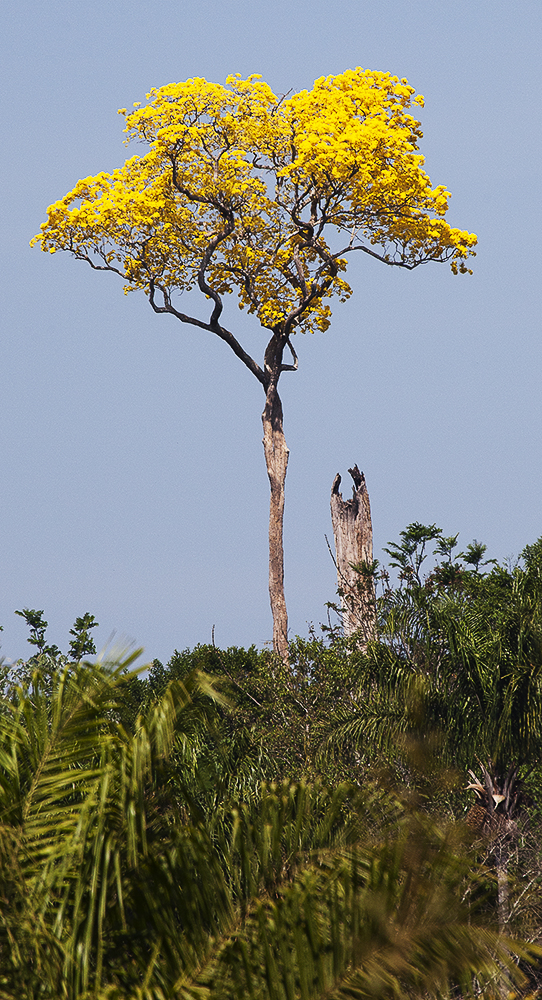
(355, 823)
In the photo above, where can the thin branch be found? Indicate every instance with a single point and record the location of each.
(98, 267)
(394, 263)
(325, 536)
(219, 330)
(290, 368)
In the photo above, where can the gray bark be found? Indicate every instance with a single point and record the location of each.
(494, 817)
(353, 534)
(276, 460)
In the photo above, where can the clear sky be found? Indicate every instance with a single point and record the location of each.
(122, 493)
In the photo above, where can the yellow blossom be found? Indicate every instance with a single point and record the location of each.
(268, 196)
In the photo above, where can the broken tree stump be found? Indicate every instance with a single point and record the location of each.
(353, 534)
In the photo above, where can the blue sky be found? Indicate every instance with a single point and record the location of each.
(134, 485)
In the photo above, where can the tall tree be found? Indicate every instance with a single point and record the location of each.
(241, 191)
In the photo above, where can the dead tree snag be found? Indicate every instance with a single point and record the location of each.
(353, 534)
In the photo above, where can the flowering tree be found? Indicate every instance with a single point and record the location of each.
(240, 191)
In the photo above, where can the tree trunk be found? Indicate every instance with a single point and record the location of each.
(503, 902)
(276, 460)
(353, 533)
(499, 801)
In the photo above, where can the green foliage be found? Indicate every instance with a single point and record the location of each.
(474, 555)
(82, 643)
(80, 646)
(464, 646)
(228, 827)
(408, 555)
(271, 724)
(117, 888)
(38, 627)
(48, 659)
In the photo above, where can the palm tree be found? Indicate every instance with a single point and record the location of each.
(115, 883)
(459, 653)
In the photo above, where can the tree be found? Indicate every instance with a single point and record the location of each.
(48, 660)
(241, 191)
(353, 534)
(38, 628)
(459, 653)
(82, 643)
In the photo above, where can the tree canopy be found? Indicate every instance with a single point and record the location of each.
(227, 827)
(243, 191)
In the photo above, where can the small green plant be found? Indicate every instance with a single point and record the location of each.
(38, 627)
(81, 645)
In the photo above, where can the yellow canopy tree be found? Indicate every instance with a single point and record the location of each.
(241, 191)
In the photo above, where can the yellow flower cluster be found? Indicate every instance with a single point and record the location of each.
(264, 197)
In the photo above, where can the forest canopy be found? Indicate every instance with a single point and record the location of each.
(364, 823)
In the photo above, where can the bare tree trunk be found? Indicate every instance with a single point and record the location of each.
(353, 533)
(498, 803)
(503, 901)
(276, 460)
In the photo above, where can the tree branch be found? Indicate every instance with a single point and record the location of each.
(216, 328)
(294, 367)
(394, 263)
